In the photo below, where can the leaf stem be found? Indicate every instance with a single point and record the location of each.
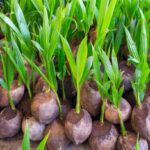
(59, 105)
(121, 122)
(103, 110)
(138, 101)
(63, 91)
(29, 92)
(78, 105)
(11, 101)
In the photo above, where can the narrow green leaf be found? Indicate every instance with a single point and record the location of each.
(87, 68)
(131, 45)
(39, 6)
(108, 66)
(96, 65)
(90, 9)
(143, 39)
(26, 140)
(119, 34)
(11, 24)
(70, 56)
(41, 146)
(21, 22)
(137, 143)
(81, 59)
(3, 84)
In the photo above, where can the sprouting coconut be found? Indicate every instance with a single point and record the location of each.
(140, 120)
(141, 112)
(111, 113)
(36, 129)
(16, 92)
(57, 138)
(44, 107)
(78, 123)
(78, 126)
(104, 135)
(90, 97)
(10, 122)
(128, 142)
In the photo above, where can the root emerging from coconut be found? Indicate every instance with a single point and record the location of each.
(10, 122)
(90, 98)
(78, 127)
(36, 129)
(128, 142)
(44, 107)
(16, 91)
(103, 137)
(111, 113)
(140, 120)
(57, 138)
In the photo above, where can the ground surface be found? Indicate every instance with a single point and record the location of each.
(16, 142)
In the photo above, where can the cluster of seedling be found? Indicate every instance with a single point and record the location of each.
(53, 53)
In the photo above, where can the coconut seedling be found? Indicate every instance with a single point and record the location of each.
(18, 62)
(141, 111)
(90, 96)
(84, 14)
(104, 134)
(78, 124)
(46, 43)
(120, 109)
(11, 92)
(62, 69)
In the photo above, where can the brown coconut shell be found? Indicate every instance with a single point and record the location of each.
(40, 86)
(140, 120)
(69, 88)
(111, 113)
(103, 137)
(16, 91)
(44, 107)
(57, 138)
(128, 72)
(92, 35)
(36, 129)
(10, 122)
(78, 127)
(90, 97)
(128, 142)
(1, 34)
(66, 108)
